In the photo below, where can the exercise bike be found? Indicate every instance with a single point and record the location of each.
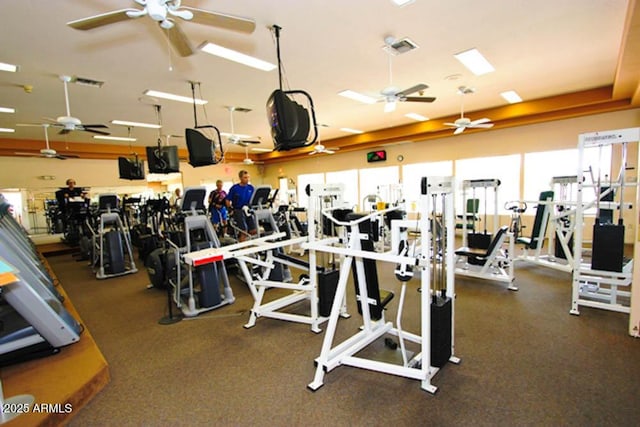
(517, 208)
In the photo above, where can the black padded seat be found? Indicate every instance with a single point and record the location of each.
(479, 256)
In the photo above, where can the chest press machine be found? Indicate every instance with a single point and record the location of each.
(432, 259)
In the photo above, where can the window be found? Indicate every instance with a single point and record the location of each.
(350, 179)
(412, 175)
(541, 167)
(303, 181)
(504, 168)
(378, 183)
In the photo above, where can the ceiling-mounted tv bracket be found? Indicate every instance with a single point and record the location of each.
(290, 122)
(196, 140)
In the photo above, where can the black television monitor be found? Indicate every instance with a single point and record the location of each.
(289, 121)
(132, 169)
(163, 159)
(201, 149)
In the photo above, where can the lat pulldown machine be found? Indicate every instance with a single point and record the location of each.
(433, 258)
(597, 284)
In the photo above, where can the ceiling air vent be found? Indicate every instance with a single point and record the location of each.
(87, 82)
(398, 47)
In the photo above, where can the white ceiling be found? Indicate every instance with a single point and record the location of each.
(539, 48)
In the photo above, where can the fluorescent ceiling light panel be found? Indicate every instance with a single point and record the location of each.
(511, 96)
(402, 3)
(8, 67)
(416, 116)
(135, 124)
(172, 97)
(238, 135)
(351, 130)
(115, 138)
(357, 96)
(7, 110)
(232, 55)
(475, 62)
(7, 130)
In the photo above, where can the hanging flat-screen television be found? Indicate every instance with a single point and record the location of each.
(163, 159)
(132, 169)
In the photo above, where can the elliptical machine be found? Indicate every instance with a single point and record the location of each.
(112, 253)
(204, 287)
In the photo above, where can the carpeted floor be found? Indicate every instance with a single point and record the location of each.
(525, 361)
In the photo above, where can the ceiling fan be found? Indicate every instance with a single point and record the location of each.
(69, 123)
(318, 148)
(233, 137)
(165, 12)
(464, 122)
(47, 152)
(391, 94)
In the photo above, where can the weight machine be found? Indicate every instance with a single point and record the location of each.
(483, 255)
(556, 212)
(433, 258)
(264, 265)
(111, 243)
(605, 282)
(475, 239)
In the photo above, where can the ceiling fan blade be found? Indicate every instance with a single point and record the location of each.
(483, 125)
(95, 126)
(451, 124)
(329, 151)
(29, 124)
(418, 98)
(413, 89)
(59, 157)
(99, 132)
(459, 130)
(311, 153)
(64, 131)
(27, 154)
(102, 19)
(479, 121)
(248, 141)
(69, 156)
(179, 40)
(222, 20)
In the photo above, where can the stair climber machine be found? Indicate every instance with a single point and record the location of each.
(205, 286)
(112, 252)
(430, 257)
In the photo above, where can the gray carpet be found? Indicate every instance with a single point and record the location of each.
(525, 361)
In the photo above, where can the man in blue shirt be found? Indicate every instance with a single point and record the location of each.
(238, 199)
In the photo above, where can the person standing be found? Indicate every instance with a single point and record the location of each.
(238, 199)
(218, 208)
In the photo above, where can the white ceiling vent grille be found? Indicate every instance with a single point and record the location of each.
(398, 47)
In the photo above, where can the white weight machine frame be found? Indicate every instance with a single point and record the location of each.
(598, 288)
(553, 221)
(499, 264)
(419, 367)
(247, 255)
(472, 184)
